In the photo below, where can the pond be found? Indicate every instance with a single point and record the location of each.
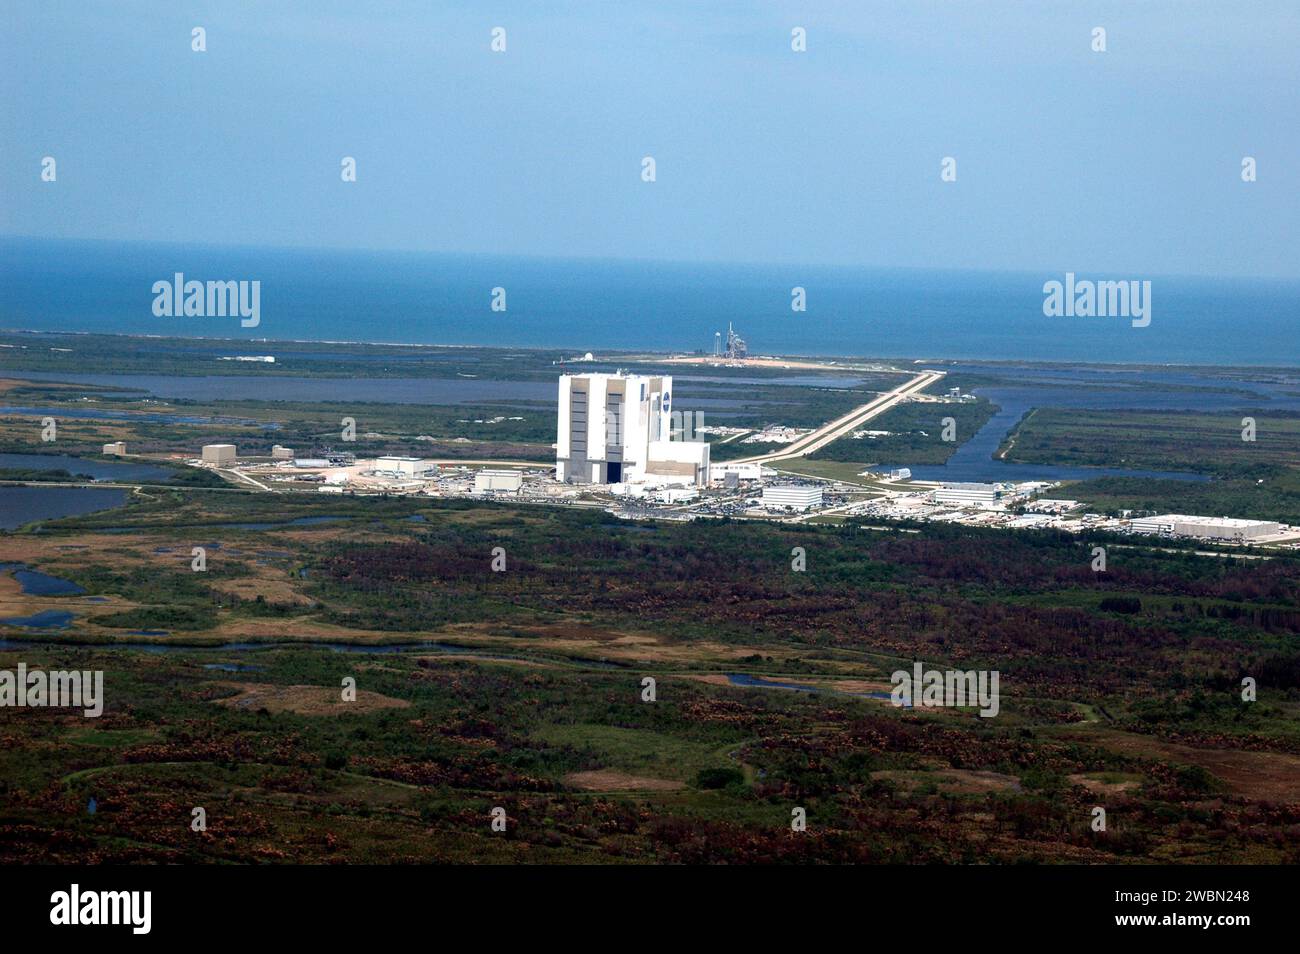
(94, 468)
(23, 505)
(46, 619)
(37, 583)
(757, 682)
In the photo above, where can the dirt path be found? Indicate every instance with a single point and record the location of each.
(613, 780)
(1259, 776)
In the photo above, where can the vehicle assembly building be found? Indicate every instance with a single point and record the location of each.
(617, 428)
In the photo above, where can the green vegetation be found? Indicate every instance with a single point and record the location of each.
(523, 688)
(1276, 497)
(1158, 440)
(53, 476)
(515, 428)
(585, 771)
(916, 437)
(1257, 479)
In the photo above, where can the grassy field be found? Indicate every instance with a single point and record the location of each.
(1165, 440)
(1276, 497)
(1257, 479)
(916, 434)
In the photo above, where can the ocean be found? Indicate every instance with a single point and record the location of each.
(578, 306)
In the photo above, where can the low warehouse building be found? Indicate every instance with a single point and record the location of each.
(677, 462)
(402, 466)
(969, 495)
(720, 472)
(498, 481)
(1230, 529)
(117, 449)
(795, 496)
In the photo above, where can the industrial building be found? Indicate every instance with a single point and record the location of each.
(794, 496)
(675, 495)
(970, 495)
(281, 453)
(1051, 505)
(617, 428)
(1229, 529)
(498, 481)
(219, 455)
(115, 449)
(665, 495)
(402, 466)
(677, 462)
(720, 472)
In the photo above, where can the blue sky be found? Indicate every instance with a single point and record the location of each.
(1126, 162)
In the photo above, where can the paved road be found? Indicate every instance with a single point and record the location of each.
(847, 424)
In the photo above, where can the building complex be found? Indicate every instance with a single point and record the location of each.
(1230, 529)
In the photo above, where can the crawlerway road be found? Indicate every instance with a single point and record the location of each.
(849, 422)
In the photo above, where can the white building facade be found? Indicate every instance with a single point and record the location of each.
(1228, 529)
(498, 481)
(983, 496)
(719, 472)
(222, 455)
(402, 466)
(794, 496)
(617, 428)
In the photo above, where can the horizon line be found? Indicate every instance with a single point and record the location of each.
(633, 261)
(1064, 362)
